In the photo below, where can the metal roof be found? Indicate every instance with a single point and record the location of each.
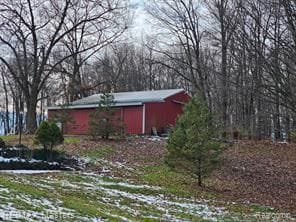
(125, 98)
(87, 106)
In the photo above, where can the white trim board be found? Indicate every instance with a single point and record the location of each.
(144, 119)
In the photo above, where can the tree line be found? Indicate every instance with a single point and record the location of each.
(238, 56)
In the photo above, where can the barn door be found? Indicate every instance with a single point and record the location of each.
(133, 118)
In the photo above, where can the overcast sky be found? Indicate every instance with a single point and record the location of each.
(141, 25)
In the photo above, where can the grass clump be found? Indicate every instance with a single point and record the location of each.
(9, 138)
(72, 140)
(99, 152)
(172, 182)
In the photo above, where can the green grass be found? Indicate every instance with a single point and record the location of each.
(99, 152)
(8, 182)
(71, 140)
(173, 182)
(249, 209)
(82, 205)
(89, 204)
(96, 202)
(91, 207)
(133, 189)
(9, 138)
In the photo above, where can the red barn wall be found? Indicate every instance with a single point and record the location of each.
(132, 118)
(164, 114)
(80, 124)
(79, 120)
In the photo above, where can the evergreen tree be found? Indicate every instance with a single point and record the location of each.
(105, 122)
(42, 135)
(191, 145)
(49, 135)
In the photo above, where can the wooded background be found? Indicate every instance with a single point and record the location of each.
(238, 55)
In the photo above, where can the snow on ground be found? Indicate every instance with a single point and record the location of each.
(17, 159)
(13, 204)
(11, 149)
(29, 171)
(74, 196)
(100, 190)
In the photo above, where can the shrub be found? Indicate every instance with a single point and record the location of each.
(49, 135)
(105, 122)
(2, 143)
(191, 145)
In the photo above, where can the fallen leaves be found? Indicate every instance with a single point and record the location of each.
(259, 172)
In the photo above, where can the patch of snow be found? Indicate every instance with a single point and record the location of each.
(97, 220)
(51, 209)
(67, 184)
(168, 207)
(197, 208)
(16, 159)
(8, 160)
(127, 184)
(109, 164)
(282, 142)
(20, 160)
(11, 148)
(29, 171)
(4, 190)
(155, 138)
(105, 170)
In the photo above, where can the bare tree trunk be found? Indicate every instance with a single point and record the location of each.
(13, 115)
(31, 115)
(224, 83)
(7, 120)
(277, 120)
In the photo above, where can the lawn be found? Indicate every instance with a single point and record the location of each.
(128, 181)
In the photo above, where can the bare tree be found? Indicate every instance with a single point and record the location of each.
(225, 17)
(181, 20)
(32, 30)
(86, 41)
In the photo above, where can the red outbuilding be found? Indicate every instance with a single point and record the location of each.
(140, 111)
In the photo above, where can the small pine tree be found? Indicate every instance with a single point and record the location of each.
(191, 145)
(49, 135)
(104, 122)
(42, 135)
